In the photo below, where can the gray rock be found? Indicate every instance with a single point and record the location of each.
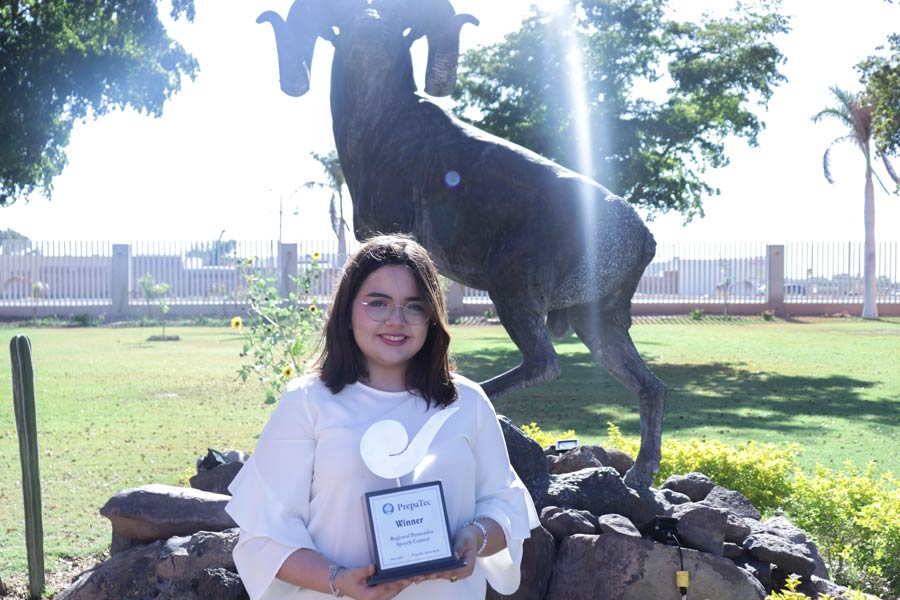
(619, 460)
(781, 526)
(693, 485)
(701, 527)
(616, 567)
(791, 557)
(737, 529)
(216, 480)
(230, 456)
(732, 551)
(602, 491)
(156, 512)
(617, 524)
(538, 558)
(562, 522)
(581, 457)
(674, 497)
(198, 567)
(528, 460)
(761, 571)
(731, 501)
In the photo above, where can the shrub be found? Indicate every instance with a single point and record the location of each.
(854, 515)
(761, 472)
(696, 314)
(768, 315)
(790, 593)
(283, 332)
(545, 439)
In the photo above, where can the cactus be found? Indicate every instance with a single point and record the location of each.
(26, 425)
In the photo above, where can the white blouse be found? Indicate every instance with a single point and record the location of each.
(304, 486)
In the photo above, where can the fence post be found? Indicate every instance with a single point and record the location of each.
(775, 283)
(26, 425)
(287, 269)
(119, 281)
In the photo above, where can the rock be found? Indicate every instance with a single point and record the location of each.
(602, 491)
(528, 460)
(737, 529)
(617, 524)
(208, 462)
(198, 567)
(538, 558)
(216, 480)
(731, 501)
(619, 460)
(674, 497)
(155, 512)
(781, 526)
(693, 485)
(701, 527)
(791, 557)
(562, 522)
(616, 567)
(581, 457)
(761, 571)
(731, 551)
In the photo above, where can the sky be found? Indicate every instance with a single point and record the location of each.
(231, 149)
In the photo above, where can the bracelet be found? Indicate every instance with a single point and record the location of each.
(484, 536)
(335, 569)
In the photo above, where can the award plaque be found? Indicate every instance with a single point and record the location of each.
(410, 532)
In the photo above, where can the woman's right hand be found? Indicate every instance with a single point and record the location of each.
(352, 583)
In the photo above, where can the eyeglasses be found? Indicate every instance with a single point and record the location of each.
(414, 313)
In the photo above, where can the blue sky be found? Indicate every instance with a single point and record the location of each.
(231, 147)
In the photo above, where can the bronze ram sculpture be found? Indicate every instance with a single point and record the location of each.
(553, 248)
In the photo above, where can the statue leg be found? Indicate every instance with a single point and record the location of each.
(527, 328)
(605, 333)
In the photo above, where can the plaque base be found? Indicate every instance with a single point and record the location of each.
(447, 564)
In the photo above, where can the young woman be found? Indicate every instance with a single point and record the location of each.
(299, 499)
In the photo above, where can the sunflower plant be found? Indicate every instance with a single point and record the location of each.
(280, 334)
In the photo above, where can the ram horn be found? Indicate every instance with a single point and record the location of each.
(295, 39)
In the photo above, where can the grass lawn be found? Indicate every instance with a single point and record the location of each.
(116, 411)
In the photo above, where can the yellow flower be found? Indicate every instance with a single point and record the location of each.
(237, 323)
(287, 372)
(249, 262)
(249, 279)
(317, 255)
(313, 309)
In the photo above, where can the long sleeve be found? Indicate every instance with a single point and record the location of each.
(270, 495)
(501, 496)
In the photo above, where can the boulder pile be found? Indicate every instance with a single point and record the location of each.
(598, 539)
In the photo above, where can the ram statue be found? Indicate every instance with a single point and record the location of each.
(553, 248)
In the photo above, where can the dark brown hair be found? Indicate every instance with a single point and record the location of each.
(341, 362)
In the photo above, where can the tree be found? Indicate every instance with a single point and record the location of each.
(653, 153)
(13, 242)
(331, 164)
(63, 61)
(855, 112)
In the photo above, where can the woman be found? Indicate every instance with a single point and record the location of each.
(299, 499)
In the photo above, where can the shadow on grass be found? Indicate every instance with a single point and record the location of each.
(724, 398)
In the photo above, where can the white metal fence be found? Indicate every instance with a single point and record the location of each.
(65, 274)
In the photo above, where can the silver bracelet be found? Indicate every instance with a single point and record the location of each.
(335, 569)
(484, 536)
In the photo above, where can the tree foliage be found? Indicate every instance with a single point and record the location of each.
(62, 61)
(881, 76)
(663, 95)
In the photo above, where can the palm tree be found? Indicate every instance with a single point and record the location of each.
(855, 112)
(335, 175)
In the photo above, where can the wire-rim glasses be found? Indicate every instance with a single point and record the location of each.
(414, 313)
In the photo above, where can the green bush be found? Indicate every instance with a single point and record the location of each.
(696, 314)
(283, 332)
(854, 516)
(545, 438)
(761, 472)
(790, 593)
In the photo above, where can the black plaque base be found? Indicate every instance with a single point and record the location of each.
(436, 566)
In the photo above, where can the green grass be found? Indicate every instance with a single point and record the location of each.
(116, 411)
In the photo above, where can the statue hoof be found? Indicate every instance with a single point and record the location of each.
(638, 478)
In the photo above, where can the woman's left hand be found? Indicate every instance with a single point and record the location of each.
(465, 545)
